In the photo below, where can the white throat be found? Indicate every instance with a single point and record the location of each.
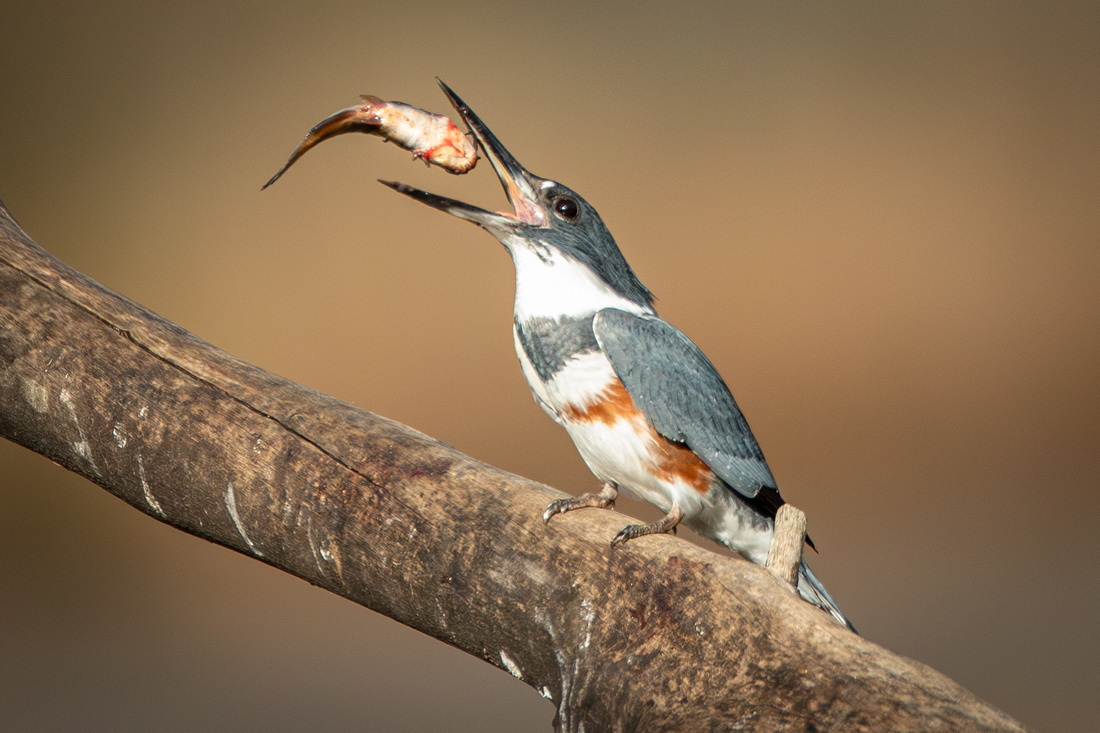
(551, 285)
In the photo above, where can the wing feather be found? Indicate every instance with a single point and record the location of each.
(681, 393)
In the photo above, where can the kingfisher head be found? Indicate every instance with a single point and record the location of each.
(549, 218)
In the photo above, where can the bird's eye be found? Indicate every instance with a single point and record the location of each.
(566, 208)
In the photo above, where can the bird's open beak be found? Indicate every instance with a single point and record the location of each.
(520, 186)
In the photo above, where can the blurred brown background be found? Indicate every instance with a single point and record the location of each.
(881, 222)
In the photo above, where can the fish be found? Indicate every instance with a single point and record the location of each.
(433, 138)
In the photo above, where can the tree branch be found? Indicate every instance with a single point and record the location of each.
(657, 635)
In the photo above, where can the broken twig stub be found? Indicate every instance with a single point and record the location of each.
(785, 553)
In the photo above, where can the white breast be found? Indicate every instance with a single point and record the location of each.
(582, 380)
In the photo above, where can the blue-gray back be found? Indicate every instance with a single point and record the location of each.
(681, 393)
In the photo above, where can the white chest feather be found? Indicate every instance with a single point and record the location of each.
(582, 380)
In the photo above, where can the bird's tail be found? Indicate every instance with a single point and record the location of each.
(811, 589)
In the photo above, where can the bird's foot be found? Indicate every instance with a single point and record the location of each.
(666, 523)
(606, 498)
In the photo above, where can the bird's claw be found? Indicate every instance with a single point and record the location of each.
(558, 506)
(667, 523)
(624, 535)
(603, 500)
(632, 531)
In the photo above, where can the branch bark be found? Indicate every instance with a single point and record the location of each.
(658, 635)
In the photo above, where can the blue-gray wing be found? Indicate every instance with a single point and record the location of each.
(681, 393)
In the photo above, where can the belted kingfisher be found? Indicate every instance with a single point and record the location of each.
(645, 407)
